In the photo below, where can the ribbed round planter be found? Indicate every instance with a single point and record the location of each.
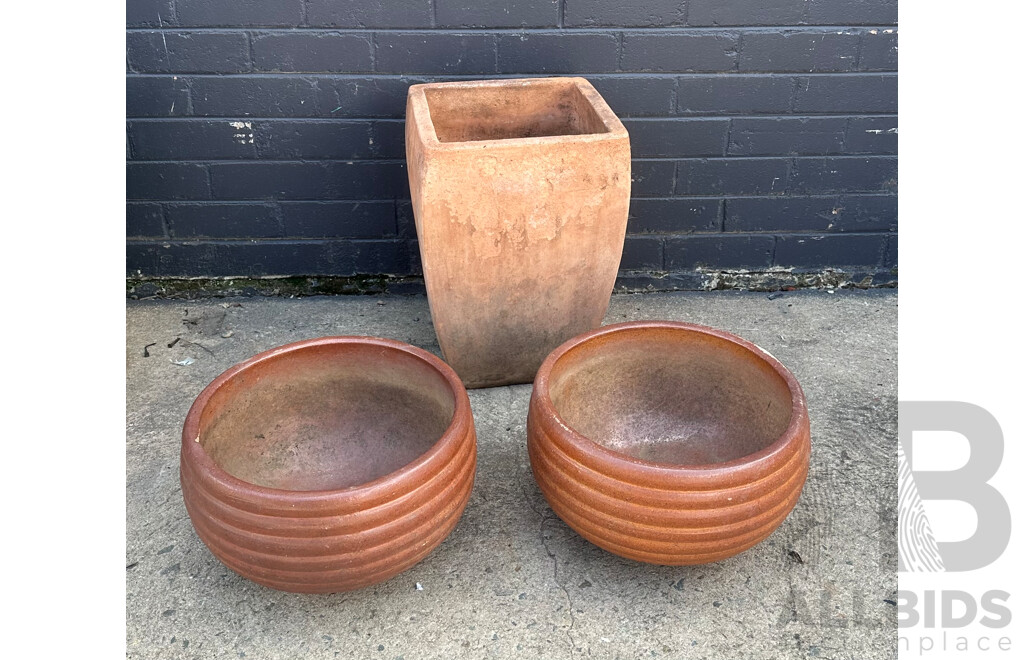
(329, 464)
(668, 443)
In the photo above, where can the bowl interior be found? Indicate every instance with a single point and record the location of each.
(503, 112)
(671, 395)
(326, 416)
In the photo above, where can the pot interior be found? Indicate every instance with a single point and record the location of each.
(671, 396)
(516, 110)
(326, 417)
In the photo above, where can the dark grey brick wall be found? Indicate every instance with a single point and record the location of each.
(265, 137)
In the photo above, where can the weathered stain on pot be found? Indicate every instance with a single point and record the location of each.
(520, 193)
(667, 442)
(329, 464)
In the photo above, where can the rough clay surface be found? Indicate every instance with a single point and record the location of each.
(512, 580)
(520, 240)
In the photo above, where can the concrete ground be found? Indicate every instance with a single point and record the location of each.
(512, 580)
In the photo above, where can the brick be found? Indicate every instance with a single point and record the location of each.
(406, 223)
(191, 139)
(557, 53)
(269, 258)
(798, 51)
(762, 176)
(254, 96)
(872, 135)
(777, 136)
(735, 94)
(435, 53)
(642, 253)
(188, 52)
(661, 216)
(851, 174)
(624, 13)
(744, 12)
(330, 219)
(653, 178)
(167, 181)
(144, 219)
(718, 251)
(369, 13)
(891, 251)
(364, 97)
(829, 250)
(679, 52)
(878, 50)
(388, 139)
(276, 13)
(846, 93)
(868, 213)
(677, 137)
(338, 139)
(332, 180)
(156, 96)
(636, 97)
(496, 14)
(312, 51)
(150, 13)
(852, 12)
(220, 220)
(744, 214)
(415, 264)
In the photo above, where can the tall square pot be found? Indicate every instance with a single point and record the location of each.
(520, 191)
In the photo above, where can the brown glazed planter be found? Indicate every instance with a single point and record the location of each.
(328, 464)
(520, 191)
(668, 443)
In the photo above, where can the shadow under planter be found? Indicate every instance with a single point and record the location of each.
(520, 191)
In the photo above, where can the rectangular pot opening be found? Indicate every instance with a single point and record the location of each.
(508, 112)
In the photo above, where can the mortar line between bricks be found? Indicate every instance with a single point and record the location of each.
(401, 159)
(357, 119)
(682, 235)
(165, 222)
(842, 195)
(364, 200)
(561, 13)
(433, 14)
(210, 240)
(209, 182)
(292, 75)
(551, 29)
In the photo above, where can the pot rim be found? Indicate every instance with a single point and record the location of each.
(798, 419)
(193, 452)
(417, 98)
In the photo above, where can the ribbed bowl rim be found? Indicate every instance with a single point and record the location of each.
(193, 452)
(653, 471)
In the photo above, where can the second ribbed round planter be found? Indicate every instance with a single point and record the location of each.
(330, 464)
(668, 443)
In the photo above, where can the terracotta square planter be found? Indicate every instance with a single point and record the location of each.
(520, 190)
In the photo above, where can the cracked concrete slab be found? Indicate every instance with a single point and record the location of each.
(513, 580)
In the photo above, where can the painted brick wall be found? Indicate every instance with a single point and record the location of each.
(265, 137)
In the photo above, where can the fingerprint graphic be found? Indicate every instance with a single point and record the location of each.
(917, 548)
